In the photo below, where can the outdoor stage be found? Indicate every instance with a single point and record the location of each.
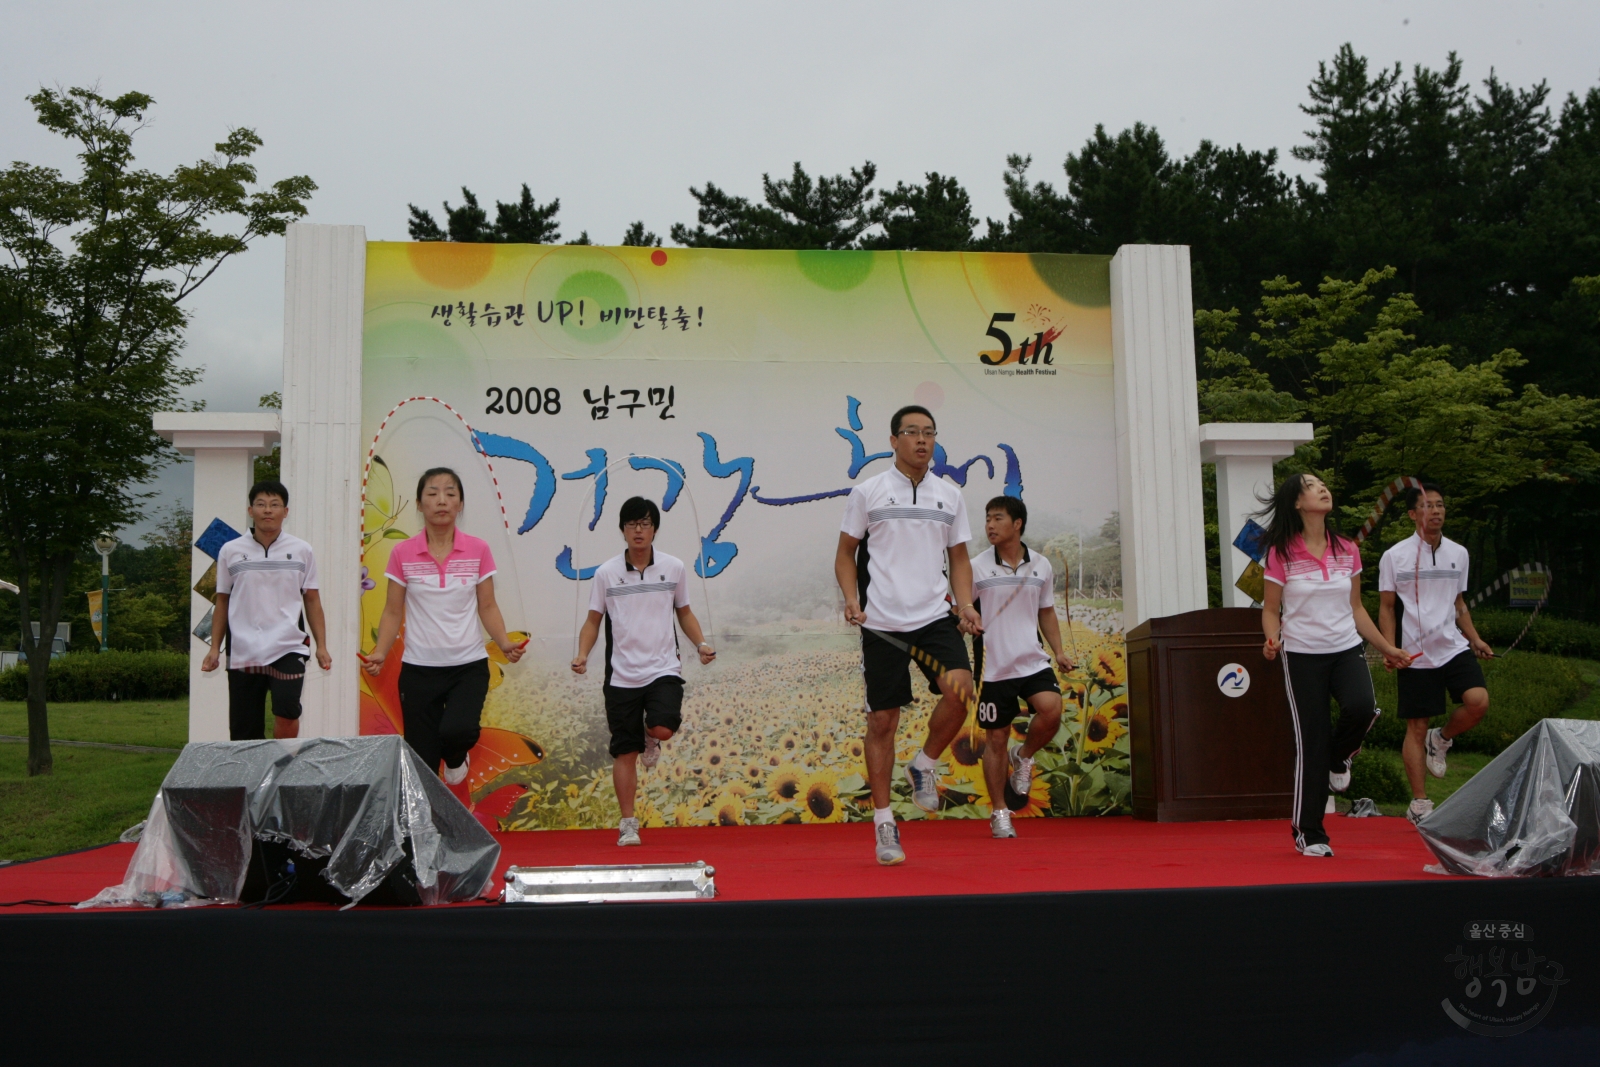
(1083, 940)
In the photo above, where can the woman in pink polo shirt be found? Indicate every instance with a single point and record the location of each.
(1312, 614)
(441, 587)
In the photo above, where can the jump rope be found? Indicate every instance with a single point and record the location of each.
(1390, 493)
(372, 451)
(973, 697)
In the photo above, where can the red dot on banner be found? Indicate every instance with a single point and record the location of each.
(659, 258)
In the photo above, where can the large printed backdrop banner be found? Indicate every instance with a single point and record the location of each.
(745, 392)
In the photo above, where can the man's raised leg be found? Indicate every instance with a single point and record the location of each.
(943, 725)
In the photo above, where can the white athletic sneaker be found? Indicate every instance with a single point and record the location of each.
(1419, 810)
(457, 775)
(1000, 823)
(924, 787)
(652, 752)
(628, 832)
(887, 841)
(1437, 745)
(1339, 781)
(1319, 851)
(1021, 771)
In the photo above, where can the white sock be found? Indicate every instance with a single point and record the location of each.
(882, 815)
(924, 762)
(456, 775)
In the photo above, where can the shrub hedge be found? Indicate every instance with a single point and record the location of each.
(113, 675)
(1561, 637)
(1524, 687)
(1379, 775)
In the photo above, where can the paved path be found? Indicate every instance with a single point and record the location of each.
(92, 744)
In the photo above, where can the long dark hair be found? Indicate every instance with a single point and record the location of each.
(1282, 518)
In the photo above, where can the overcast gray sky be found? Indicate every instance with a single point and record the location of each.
(617, 108)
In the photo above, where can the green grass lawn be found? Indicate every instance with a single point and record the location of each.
(93, 796)
(157, 723)
(95, 793)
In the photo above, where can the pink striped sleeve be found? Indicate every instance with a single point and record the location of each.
(1275, 569)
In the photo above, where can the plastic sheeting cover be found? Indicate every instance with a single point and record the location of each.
(1533, 811)
(366, 804)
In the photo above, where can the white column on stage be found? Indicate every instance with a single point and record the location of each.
(1244, 453)
(223, 445)
(1158, 433)
(325, 274)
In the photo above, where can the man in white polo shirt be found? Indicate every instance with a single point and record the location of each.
(266, 584)
(637, 595)
(1421, 582)
(901, 530)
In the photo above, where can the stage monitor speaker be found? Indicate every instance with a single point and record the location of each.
(354, 816)
(1534, 811)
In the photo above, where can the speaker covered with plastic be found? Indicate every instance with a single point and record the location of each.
(1533, 811)
(365, 805)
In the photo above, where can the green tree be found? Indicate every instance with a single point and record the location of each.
(934, 217)
(267, 467)
(1385, 405)
(639, 237)
(523, 222)
(1233, 207)
(95, 274)
(797, 212)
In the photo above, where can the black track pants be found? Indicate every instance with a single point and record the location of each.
(1312, 678)
(440, 706)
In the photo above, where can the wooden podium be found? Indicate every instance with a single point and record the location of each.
(1207, 741)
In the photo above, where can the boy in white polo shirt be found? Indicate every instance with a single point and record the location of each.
(1425, 576)
(266, 584)
(1015, 593)
(637, 594)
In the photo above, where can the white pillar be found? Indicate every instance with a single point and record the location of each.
(1158, 433)
(224, 445)
(1244, 453)
(325, 273)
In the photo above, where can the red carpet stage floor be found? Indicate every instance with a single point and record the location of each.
(1083, 941)
(946, 858)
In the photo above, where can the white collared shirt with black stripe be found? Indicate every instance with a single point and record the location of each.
(266, 586)
(1414, 570)
(640, 609)
(906, 532)
(1010, 599)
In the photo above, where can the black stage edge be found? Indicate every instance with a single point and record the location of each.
(1322, 974)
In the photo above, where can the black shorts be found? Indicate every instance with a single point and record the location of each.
(247, 695)
(888, 683)
(1001, 702)
(1422, 689)
(629, 711)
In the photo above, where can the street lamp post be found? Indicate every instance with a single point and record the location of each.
(105, 544)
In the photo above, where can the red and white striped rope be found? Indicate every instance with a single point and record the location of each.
(477, 445)
(1390, 491)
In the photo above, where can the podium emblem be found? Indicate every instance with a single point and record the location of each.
(1233, 680)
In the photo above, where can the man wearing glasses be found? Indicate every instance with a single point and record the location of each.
(1426, 575)
(637, 594)
(901, 530)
